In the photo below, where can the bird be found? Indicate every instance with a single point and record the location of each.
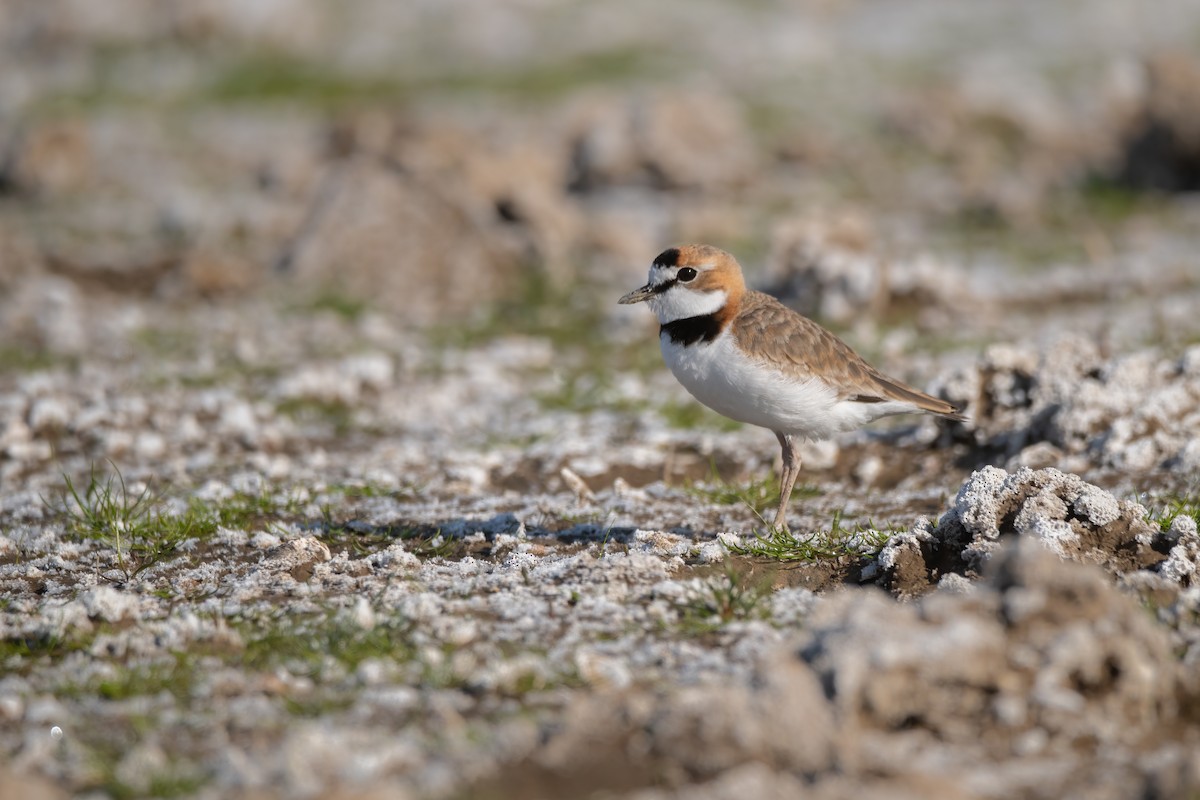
(749, 357)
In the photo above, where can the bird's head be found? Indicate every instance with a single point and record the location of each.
(690, 281)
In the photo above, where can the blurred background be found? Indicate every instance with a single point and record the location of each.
(235, 185)
(433, 158)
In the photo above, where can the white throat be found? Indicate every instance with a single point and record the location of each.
(679, 302)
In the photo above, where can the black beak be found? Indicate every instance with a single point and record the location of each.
(638, 295)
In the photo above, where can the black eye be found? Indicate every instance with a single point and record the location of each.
(686, 274)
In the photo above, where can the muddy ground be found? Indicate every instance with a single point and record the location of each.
(329, 466)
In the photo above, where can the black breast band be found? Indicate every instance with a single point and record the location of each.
(692, 329)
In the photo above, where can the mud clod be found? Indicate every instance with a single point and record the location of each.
(1065, 514)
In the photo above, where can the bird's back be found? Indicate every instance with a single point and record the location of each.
(776, 336)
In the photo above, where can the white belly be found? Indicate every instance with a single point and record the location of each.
(723, 378)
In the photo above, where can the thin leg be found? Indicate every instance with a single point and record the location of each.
(791, 469)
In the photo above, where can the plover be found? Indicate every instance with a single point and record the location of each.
(746, 355)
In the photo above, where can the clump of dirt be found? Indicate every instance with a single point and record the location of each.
(1044, 662)
(695, 733)
(1072, 407)
(1070, 517)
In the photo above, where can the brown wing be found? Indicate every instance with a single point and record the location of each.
(799, 347)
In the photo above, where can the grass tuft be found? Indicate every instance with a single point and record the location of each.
(780, 544)
(132, 523)
(729, 597)
(1178, 506)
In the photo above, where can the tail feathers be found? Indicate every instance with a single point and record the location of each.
(894, 390)
(952, 414)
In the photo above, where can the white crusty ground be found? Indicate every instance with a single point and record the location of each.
(573, 588)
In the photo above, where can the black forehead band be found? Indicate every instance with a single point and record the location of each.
(668, 258)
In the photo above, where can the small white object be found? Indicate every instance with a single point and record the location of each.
(56, 733)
